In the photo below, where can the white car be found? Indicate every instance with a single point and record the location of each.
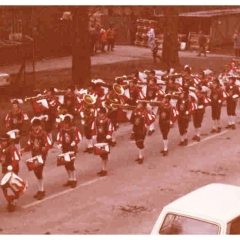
(4, 79)
(211, 209)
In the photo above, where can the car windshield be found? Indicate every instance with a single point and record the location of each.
(180, 225)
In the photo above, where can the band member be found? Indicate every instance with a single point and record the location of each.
(232, 99)
(172, 86)
(217, 97)
(39, 143)
(53, 104)
(184, 107)
(88, 113)
(153, 93)
(61, 112)
(167, 116)
(102, 130)
(135, 93)
(68, 137)
(141, 118)
(70, 100)
(202, 102)
(15, 119)
(9, 156)
(115, 96)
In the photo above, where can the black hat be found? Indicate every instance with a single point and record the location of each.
(102, 110)
(67, 119)
(36, 122)
(4, 137)
(15, 101)
(216, 80)
(167, 96)
(232, 78)
(152, 72)
(199, 87)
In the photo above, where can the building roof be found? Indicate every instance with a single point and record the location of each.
(207, 14)
(213, 202)
(211, 13)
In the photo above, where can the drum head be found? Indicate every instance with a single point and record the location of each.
(6, 178)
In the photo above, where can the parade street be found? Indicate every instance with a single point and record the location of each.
(129, 199)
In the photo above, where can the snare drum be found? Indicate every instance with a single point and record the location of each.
(34, 162)
(65, 158)
(14, 182)
(101, 148)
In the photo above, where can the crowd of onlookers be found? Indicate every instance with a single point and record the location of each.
(102, 39)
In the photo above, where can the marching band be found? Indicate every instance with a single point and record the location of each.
(138, 99)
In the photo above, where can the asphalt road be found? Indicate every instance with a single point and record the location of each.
(130, 198)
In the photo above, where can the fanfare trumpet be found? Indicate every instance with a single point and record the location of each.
(38, 97)
(122, 106)
(101, 83)
(175, 94)
(152, 103)
(122, 78)
(173, 75)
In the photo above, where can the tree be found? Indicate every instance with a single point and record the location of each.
(170, 42)
(81, 56)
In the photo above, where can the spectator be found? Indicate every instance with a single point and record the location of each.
(103, 39)
(236, 43)
(152, 43)
(110, 38)
(202, 41)
(94, 38)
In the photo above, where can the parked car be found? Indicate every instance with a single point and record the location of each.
(211, 209)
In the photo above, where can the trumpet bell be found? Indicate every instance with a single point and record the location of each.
(89, 99)
(118, 89)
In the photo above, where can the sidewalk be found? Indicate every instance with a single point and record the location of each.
(121, 54)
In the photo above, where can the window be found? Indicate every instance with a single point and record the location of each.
(180, 225)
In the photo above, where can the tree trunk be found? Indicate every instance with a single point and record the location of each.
(170, 42)
(81, 56)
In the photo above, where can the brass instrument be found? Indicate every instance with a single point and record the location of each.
(146, 83)
(118, 89)
(124, 77)
(123, 106)
(102, 84)
(175, 95)
(152, 103)
(89, 99)
(38, 97)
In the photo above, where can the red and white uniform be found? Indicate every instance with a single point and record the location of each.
(101, 128)
(15, 120)
(10, 156)
(37, 141)
(66, 136)
(53, 104)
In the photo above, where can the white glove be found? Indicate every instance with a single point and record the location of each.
(94, 137)
(9, 168)
(187, 112)
(60, 146)
(82, 122)
(108, 137)
(73, 144)
(219, 101)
